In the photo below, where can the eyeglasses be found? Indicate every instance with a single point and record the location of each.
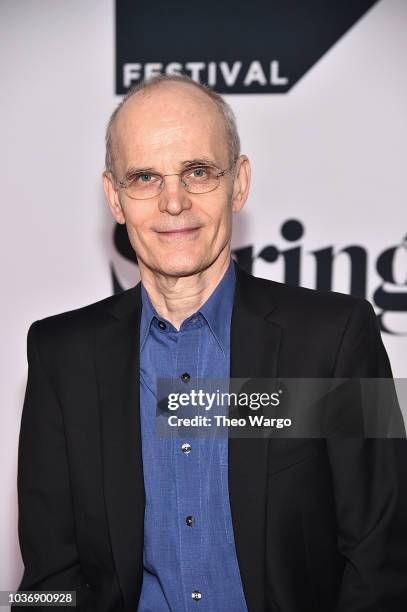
(195, 179)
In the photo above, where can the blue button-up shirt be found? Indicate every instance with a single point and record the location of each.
(190, 558)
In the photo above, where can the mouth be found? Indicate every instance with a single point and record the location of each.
(179, 233)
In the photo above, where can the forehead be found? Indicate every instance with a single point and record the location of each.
(168, 124)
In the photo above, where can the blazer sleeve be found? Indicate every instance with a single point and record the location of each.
(46, 526)
(369, 487)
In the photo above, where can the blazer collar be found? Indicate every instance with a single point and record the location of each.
(254, 347)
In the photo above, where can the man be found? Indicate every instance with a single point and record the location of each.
(134, 522)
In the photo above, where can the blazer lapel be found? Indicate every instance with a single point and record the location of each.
(117, 371)
(255, 342)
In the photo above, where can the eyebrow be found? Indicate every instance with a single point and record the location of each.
(201, 161)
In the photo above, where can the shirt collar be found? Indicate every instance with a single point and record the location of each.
(217, 310)
(148, 312)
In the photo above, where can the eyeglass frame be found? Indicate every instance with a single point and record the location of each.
(123, 184)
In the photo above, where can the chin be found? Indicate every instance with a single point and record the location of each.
(179, 265)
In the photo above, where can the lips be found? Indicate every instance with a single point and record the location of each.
(179, 231)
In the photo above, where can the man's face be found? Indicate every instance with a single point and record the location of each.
(161, 129)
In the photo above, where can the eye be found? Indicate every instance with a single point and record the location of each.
(199, 173)
(144, 177)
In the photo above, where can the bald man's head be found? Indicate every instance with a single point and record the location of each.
(184, 93)
(174, 176)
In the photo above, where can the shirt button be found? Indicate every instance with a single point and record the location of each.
(196, 595)
(161, 325)
(185, 377)
(186, 448)
(189, 520)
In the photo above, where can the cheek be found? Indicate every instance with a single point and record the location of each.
(217, 212)
(221, 218)
(137, 222)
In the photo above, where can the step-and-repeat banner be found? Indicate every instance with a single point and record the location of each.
(319, 89)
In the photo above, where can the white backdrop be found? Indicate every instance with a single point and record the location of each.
(331, 153)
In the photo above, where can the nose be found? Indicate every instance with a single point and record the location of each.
(173, 198)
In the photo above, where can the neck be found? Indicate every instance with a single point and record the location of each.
(176, 298)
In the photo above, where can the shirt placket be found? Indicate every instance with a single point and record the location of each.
(187, 459)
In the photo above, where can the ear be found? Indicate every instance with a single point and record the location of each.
(112, 196)
(241, 184)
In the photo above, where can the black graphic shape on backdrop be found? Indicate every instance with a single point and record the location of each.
(265, 47)
(396, 301)
(122, 243)
(122, 246)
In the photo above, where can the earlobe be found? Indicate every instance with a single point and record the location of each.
(242, 184)
(237, 204)
(237, 201)
(112, 197)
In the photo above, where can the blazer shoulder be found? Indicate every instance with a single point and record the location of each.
(79, 321)
(303, 303)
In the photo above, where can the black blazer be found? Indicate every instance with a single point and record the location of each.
(318, 524)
